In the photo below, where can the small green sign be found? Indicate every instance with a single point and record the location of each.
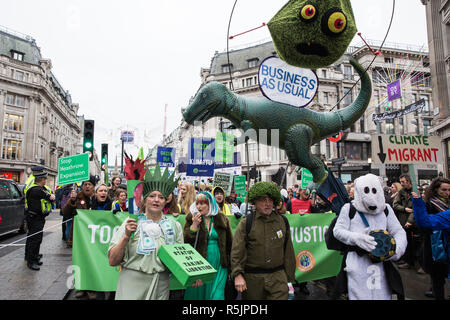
(224, 147)
(307, 178)
(73, 169)
(186, 264)
(239, 184)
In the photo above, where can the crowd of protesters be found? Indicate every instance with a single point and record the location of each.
(186, 200)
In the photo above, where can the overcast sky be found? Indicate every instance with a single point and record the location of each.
(122, 61)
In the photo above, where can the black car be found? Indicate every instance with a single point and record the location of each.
(12, 207)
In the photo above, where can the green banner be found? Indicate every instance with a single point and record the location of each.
(73, 169)
(93, 231)
(224, 147)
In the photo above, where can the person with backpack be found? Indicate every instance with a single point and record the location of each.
(365, 276)
(262, 255)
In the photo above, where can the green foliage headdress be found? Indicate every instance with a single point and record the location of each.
(162, 183)
(262, 189)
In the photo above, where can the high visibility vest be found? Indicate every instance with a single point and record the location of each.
(226, 209)
(46, 206)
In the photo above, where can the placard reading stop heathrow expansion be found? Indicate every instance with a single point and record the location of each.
(73, 169)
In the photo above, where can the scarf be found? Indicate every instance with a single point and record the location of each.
(439, 204)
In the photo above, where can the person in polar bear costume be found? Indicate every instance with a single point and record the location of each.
(368, 280)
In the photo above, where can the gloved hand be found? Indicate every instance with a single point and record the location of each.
(364, 241)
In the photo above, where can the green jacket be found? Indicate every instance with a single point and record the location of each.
(265, 246)
(223, 229)
(401, 202)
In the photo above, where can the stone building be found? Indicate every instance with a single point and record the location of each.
(438, 27)
(39, 119)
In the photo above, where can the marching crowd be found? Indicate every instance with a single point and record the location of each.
(253, 262)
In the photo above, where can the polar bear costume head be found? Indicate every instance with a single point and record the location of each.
(369, 195)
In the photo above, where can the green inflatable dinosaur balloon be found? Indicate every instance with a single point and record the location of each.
(308, 34)
(312, 33)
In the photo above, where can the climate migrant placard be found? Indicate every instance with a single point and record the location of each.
(395, 149)
(93, 231)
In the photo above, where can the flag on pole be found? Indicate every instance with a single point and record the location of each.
(141, 153)
(333, 192)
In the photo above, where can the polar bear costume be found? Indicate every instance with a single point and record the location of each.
(367, 280)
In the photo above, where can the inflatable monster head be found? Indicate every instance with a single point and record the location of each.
(312, 33)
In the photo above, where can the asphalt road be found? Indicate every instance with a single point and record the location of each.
(14, 241)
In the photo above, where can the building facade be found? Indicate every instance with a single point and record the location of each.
(39, 119)
(438, 28)
(338, 88)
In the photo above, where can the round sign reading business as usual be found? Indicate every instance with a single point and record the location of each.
(281, 82)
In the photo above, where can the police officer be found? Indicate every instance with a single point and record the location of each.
(38, 203)
(264, 263)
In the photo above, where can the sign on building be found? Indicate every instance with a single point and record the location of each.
(396, 149)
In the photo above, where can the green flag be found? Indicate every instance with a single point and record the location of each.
(141, 154)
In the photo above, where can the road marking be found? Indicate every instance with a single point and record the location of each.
(12, 245)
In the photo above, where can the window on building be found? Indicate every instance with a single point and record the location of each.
(426, 108)
(17, 55)
(328, 148)
(227, 68)
(15, 100)
(325, 98)
(252, 63)
(388, 60)
(357, 150)
(401, 125)
(253, 152)
(362, 124)
(348, 72)
(390, 128)
(324, 73)
(426, 127)
(248, 82)
(12, 149)
(13, 122)
(348, 93)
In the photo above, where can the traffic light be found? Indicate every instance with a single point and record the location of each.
(88, 138)
(104, 156)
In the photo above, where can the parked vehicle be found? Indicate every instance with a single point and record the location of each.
(12, 207)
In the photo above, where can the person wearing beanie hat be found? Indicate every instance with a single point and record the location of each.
(135, 245)
(262, 255)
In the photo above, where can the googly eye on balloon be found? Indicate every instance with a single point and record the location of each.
(334, 22)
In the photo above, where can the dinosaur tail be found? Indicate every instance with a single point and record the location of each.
(344, 118)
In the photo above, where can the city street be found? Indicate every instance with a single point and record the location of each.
(18, 282)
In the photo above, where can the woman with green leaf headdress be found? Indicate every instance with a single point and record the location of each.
(135, 245)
